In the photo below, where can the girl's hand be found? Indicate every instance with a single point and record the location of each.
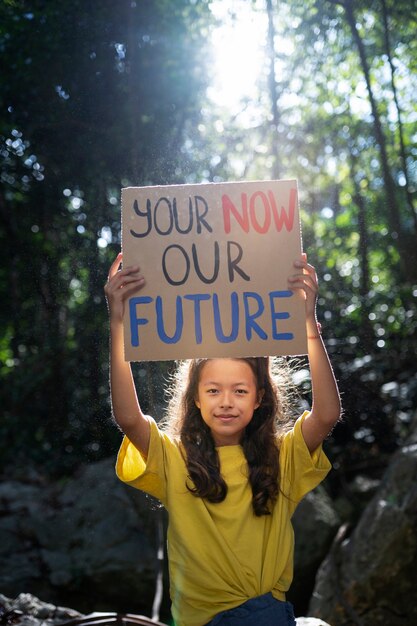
(121, 284)
(305, 278)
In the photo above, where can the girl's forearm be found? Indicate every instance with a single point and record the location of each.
(326, 405)
(125, 405)
(123, 394)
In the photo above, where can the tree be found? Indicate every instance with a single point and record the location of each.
(98, 96)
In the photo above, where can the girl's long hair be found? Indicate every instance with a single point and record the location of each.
(260, 440)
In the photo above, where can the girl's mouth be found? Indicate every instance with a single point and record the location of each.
(226, 417)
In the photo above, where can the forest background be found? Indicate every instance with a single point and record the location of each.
(98, 96)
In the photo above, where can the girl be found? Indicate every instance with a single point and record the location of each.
(227, 470)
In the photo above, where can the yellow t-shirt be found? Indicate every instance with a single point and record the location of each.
(220, 555)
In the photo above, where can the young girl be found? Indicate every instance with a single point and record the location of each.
(226, 468)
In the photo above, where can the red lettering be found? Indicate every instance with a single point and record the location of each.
(267, 211)
(283, 218)
(229, 207)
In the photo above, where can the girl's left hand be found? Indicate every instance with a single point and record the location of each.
(305, 278)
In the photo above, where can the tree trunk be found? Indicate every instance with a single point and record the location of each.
(393, 210)
(365, 329)
(405, 244)
(403, 154)
(273, 89)
(132, 95)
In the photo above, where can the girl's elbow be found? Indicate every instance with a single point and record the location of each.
(124, 421)
(335, 414)
(329, 416)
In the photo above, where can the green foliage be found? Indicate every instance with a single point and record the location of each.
(95, 97)
(98, 96)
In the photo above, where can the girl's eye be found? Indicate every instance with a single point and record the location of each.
(241, 392)
(211, 390)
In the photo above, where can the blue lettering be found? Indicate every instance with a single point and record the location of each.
(235, 319)
(283, 315)
(160, 321)
(250, 317)
(197, 298)
(135, 321)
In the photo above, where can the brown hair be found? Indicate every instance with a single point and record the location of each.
(260, 441)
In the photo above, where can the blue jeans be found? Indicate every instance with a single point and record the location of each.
(263, 611)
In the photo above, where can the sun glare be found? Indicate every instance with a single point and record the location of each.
(238, 51)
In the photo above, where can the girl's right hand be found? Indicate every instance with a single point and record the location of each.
(121, 284)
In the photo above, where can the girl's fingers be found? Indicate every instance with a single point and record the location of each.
(122, 281)
(305, 269)
(120, 275)
(114, 268)
(126, 272)
(131, 287)
(125, 279)
(305, 279)
(309, 290)
(305, 266)
(115, 265)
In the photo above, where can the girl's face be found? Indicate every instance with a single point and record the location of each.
(227, 397)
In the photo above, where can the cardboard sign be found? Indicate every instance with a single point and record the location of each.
(216, 258)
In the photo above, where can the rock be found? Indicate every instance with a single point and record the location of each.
(310, 621)
(71, 543)
(27, 610)
(315, 525)
(369, 577)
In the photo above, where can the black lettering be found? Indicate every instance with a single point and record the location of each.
(190, 217)
(232, 264)
(200, 216)
(208, 281)
(146, 214)
(165, 265)
(171, 221)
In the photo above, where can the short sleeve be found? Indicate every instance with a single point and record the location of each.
(145, 473)
(301, 471)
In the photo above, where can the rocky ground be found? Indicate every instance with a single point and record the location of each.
(92, 543)
(27, 610)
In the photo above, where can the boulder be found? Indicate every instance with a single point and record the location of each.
(88, 542)
(27, 610)
(92, 543)
(315, 526)
(310, 621)
(369, 576)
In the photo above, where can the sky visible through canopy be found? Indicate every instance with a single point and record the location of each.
(239, 58)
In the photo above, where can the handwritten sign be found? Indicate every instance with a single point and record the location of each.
(216, 258)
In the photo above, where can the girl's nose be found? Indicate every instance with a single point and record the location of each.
(226, 400)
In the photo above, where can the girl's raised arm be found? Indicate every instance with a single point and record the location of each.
(126, 409)
(326, 405)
